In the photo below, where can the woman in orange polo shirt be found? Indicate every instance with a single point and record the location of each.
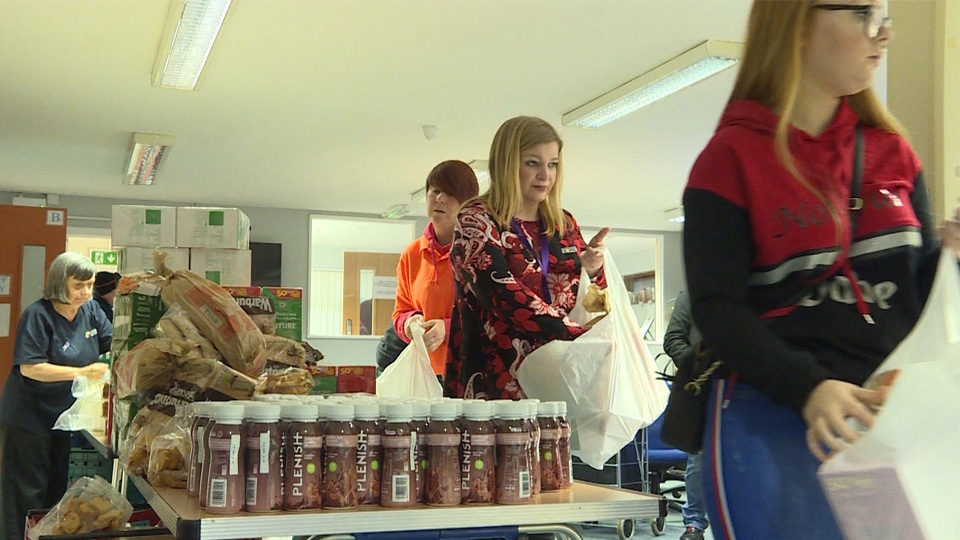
(425, 289)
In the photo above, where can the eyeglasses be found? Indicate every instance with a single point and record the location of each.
(873, 20)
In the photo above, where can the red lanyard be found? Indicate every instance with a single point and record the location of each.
(543, 259)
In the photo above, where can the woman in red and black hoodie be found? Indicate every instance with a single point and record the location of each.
(801, 297)
(516, 259)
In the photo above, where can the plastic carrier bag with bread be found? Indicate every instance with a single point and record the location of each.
(219, 318)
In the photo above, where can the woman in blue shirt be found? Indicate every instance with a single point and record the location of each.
(59, 338)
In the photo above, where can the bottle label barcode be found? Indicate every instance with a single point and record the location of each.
(524, 484)
(251, 490)
(401, 488)
(218, 493)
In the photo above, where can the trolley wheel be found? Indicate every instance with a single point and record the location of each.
(625, 529)
(657, 525)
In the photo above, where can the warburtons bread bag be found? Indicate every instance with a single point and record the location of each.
(219, 318)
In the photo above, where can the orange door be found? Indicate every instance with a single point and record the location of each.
(375, 318)
(30, 238)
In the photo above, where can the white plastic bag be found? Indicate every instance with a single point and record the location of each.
(607, 376)
(89, 505)
(86, 413)
(894, 483)
(411, 375)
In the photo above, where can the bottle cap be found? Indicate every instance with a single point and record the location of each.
(299, 412)
(399, 412)
(443, 412)
(477, 410)
(262, 412)
(340, 412)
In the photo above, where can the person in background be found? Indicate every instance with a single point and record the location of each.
(682, 334)
(424, 277)
(105, 290)
(389, 348)
(516, 257)
(801, 291)
(58, 339)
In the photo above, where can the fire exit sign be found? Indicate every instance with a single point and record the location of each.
(103, 257)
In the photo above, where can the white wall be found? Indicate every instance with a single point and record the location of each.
(924, 91)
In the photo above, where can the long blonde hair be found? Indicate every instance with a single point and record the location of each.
(504, 198)
(770, 73)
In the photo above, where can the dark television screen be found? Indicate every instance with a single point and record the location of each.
(265, 264)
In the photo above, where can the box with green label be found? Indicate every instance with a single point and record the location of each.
(215, 228)
(288, 306)
(134, 316)
(222, 266)
(139, 259)
(143, 226)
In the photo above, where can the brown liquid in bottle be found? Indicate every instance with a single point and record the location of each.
(203, 457)
(478, 443)
(534, 448)
(565, 455)
(340, 458)
(264, 481)
(369, 454)
(551, 473)
(443, 457)
(225, 493)
(197, 447)
(303, 467)
(420, 424)
(513, 455)
(399, 459)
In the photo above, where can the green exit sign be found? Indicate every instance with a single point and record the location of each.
(104, 257)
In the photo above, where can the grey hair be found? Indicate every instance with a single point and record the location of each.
(68, 264)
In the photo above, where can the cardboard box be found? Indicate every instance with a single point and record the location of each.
(134, 316)
(258, 307)
(343, 379)
(324, 379)
(222, 266)
(354, 379)
(215, 228)
(288, 306)
(144, 226)
(139, 259)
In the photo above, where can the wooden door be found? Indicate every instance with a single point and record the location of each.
(379, 309)
(30, 238)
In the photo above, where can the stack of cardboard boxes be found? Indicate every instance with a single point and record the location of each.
(211, 242)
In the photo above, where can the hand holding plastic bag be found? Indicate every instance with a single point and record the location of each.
(607, 376)
(86, 413)
(411, 375)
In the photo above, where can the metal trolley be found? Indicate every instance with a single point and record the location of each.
(629, 469)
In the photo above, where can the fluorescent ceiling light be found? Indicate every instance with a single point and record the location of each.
(191, 29)
(708, 58)
(480, 167)
(396, 211)
(148, 151)
(674, 214)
